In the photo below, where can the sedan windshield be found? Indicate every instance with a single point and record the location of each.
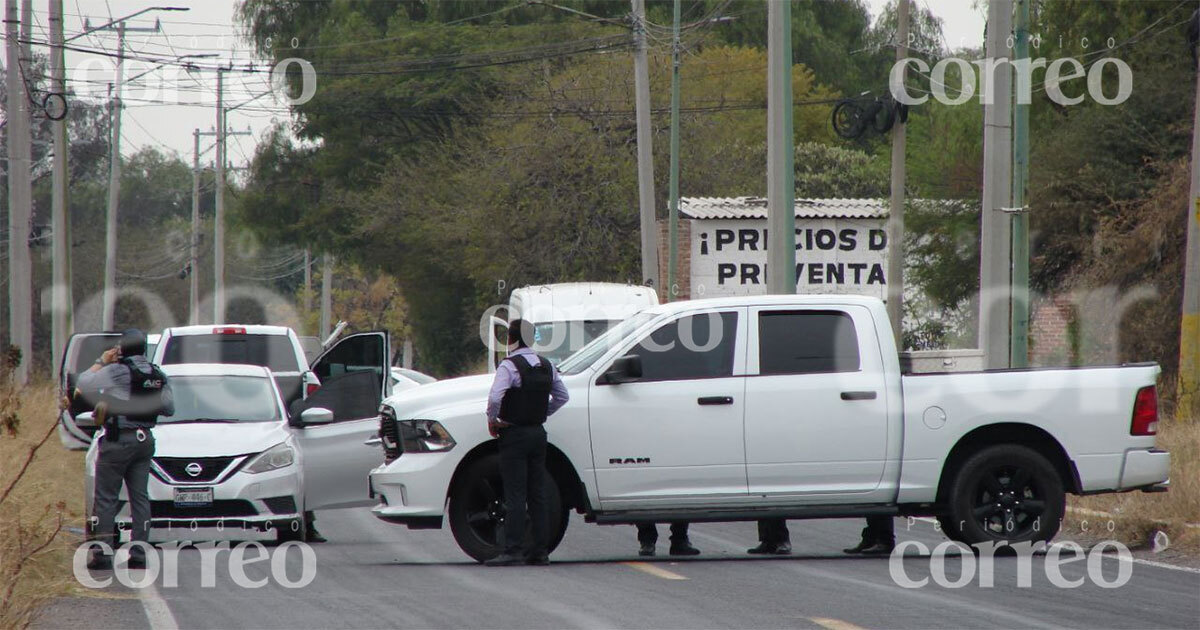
(222, 399)
(600, 346)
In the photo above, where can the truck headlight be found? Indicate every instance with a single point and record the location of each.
(424, 436)
(279, 456)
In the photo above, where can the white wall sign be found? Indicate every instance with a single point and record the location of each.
(834, 255)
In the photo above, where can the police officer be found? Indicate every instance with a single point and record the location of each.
(773, 538)
(129, 394)
(527, 390)
(878, 537)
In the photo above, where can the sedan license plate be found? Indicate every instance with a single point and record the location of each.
(193, 497)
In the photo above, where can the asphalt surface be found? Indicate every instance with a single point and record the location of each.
(371, 574)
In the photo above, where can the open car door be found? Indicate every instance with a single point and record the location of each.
(80, 353)
(355, 378)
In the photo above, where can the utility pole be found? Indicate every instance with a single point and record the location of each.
(1018, 356)
(673, 215)
(307, 282)
(995, 226)
(895, 224)
(20, 284)
(194, 242)
(219, 215)
(1188, 387)
(781, 175)
(114, 191)
(645, 155)
(114, 174)
(62, 296)
(326, 294)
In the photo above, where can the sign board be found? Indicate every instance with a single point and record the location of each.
(833, 255)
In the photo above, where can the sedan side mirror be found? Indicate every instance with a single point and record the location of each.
(316, 415)
(623, 370)
(85, 419)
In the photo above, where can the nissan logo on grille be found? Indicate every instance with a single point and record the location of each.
(194, 469)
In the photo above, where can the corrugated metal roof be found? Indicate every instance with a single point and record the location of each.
(756, 208)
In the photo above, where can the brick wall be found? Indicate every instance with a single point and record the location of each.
(683, 271)
(1050, 341)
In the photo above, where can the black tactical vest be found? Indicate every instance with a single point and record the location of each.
(145, 402)
(527, 405)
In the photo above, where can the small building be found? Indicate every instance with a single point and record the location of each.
(841, 247)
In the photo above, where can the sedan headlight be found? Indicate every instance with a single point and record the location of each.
(279, 456)
(424, 436)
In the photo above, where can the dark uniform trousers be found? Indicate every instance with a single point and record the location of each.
(880, 529)
(773, 531)
(648, 533)
(126, 460)
(523, 469)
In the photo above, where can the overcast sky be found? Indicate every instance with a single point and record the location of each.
(208, 28)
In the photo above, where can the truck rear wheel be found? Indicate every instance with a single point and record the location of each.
(1006, 492)
(477, 512)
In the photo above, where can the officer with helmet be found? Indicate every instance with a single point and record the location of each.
(129, 394)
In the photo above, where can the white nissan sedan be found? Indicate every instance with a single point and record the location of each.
(230, 457)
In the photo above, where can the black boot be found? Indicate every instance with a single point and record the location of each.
(880, 548)
(647, 549)
(684, 548)
(100, 562)
(505, 560)
(763, 548)
(868, 540)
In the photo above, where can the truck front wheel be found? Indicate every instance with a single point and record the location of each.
(477, 511)
(1006, 492)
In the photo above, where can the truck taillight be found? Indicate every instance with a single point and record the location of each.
(229, 330)
(310, 388)
(1145, 412)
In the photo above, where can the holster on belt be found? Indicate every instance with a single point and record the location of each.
(111, 432)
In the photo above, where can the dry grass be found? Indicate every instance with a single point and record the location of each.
(35, 550)
(1137, 515)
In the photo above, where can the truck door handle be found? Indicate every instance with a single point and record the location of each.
(715, 400)
(858, 395)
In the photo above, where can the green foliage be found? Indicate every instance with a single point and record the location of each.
(824, 170)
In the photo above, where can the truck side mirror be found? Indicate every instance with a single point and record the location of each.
(623, 370)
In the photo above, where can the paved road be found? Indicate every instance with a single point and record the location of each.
(372, 574)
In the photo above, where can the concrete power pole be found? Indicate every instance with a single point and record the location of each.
(219, 215)
(1189, 330)
(673, 213)
(1018, 356)
(193, 242)
(326, 295)
(895, 225)
(645, 155)
(20, 285)
(114, 191)
(62, 296)
(781, 174)
(307, 282)
(995, 227)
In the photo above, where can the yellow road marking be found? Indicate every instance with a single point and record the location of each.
(834, 624)
(656, 571)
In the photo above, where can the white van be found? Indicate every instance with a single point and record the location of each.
(567, 316)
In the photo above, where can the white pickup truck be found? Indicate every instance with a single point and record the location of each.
(779, 407)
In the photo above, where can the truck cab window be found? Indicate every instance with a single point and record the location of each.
(696, 346)
(806, 342)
